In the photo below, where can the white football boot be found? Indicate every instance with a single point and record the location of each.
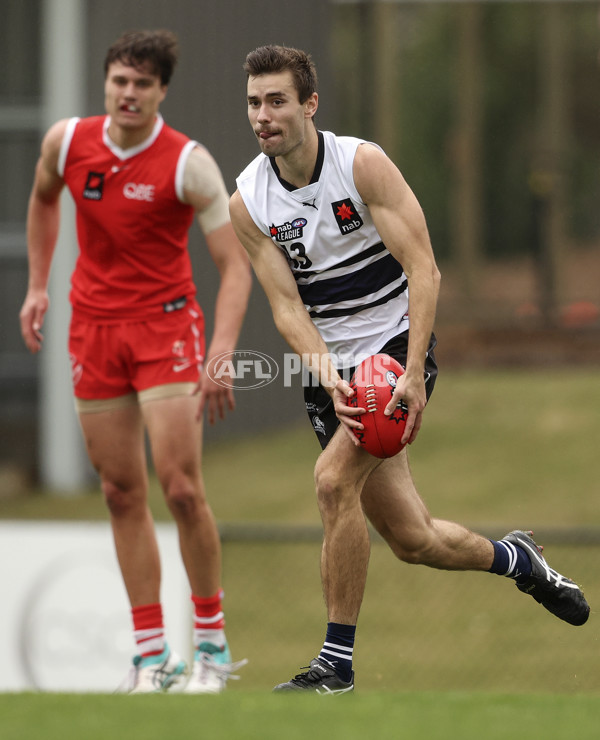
(211, 670)
(155, 673)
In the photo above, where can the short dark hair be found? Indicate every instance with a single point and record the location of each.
(272, 59)
(157, 51)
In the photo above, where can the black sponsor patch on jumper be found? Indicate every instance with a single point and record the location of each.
(346, 216)
(94, 186)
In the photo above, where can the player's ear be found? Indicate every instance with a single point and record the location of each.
(311, 105)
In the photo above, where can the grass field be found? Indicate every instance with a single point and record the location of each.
(256, 716)
(505, 447)
(439, 654)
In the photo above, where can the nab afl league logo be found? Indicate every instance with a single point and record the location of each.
(346, 216)
(289, 230)
(94, 186)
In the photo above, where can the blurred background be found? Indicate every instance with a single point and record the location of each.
(491, 111)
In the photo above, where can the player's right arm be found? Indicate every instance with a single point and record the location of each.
(289, 313)
(43, 220)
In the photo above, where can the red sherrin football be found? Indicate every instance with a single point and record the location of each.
(373, 383)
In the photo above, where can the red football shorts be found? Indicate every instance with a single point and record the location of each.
(113, 360)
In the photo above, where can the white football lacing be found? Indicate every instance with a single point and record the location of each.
(223, 670)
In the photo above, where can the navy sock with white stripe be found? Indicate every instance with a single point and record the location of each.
(510, 560)
(338, 648)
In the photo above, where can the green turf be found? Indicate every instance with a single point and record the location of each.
(496, 446)
(419, 628)
(498, 449)
(264, 716)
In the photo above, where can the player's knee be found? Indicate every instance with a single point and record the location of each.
(120, 500)
(333, 493)
(410, 555)
(414, 547)
(183, 498)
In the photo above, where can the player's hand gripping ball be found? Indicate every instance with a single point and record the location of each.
(373, 383)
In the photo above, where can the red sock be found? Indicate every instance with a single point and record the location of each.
(209, 620)
(148, 629)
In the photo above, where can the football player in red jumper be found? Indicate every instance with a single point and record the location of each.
(136, 339)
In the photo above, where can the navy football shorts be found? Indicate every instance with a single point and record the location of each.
(319, 405)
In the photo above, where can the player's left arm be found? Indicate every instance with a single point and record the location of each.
(400, 222)
(205, 190)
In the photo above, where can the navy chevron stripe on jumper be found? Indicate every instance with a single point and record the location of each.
(331, 313)
(355, 259)
(357, 284)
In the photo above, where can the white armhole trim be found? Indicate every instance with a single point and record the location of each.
(244, 186)
(180, 169)
(65, 144)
